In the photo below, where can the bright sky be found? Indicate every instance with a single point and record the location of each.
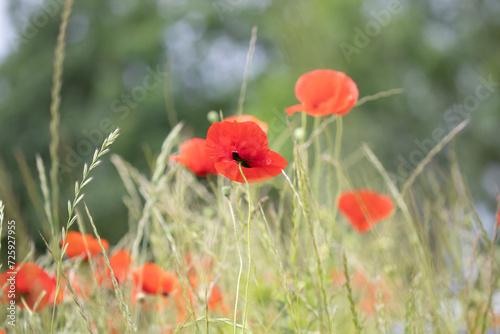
(5, 31)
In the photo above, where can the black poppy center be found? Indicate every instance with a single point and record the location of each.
(238, 159)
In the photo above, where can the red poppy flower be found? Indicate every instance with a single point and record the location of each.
(365, 208)
(120, 263)
(153, 280)
(324, 92)
(194, 157)
(78, 245)
(31, 283)
(230, 144)
(248, 118)
(216, 300)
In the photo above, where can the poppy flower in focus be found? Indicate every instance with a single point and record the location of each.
(153, 280)
(194, 157)
(324, 92)
(248, 118)
(83, 245)
(31, 283)
(230, 144)
(364, 208)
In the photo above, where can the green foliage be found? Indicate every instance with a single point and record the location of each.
(143, 66)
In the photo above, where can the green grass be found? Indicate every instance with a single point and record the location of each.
(431, 267)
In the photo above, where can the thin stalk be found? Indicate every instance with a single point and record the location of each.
(338, 142)
(352, 303)
(1, 219)
(307, 215)
(248, 249)
(493, 279)
(127, 318)
(295, 224)
(54, 110)
(88, 324)
(282, 271)
(241, 265)
(243, 89)
(86, 179)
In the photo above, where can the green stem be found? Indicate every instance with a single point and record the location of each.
(248, 249)
(241, 265)
(338, 169)
(54, 112)
(243, 89)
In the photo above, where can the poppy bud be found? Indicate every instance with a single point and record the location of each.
(213, 116)
(226, 191)
(299, 134)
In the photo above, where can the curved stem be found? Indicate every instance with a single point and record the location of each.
(338, 142)
(241, 264)
(248, 249)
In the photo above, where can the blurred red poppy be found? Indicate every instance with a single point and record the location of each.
(83, 245)
(364, 208)
(230, 144)
(30, 283)
(120, 263)
(194, 157)
(248, 118)
(216, 300)
(324, 92)
(153, 280)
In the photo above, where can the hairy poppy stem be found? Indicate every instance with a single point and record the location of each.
(241, 265)
(248, 249)
(338, 142)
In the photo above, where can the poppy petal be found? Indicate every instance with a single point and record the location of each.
(248, 118)
(325, 92)
(120, 263)
(194, 157)
(32, 283)
(255, 174)
(230, 144)
(364, 208)
(79, 244)
(151, 279)
(296, 108)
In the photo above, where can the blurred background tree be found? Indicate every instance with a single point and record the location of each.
(144, 65)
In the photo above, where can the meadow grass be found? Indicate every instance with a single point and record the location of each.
(430, 268)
